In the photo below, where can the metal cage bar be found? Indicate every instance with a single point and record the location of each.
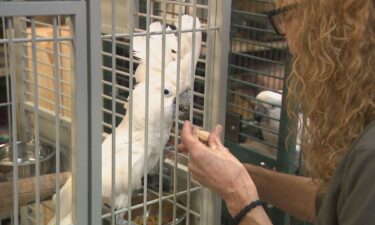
(36, 122)
(113, 107)
(162, 119)
(79, 126)
(13, 119)
(57, 117)
(179, 22)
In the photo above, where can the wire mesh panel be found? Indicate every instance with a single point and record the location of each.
(256, 76)
(167, 194)
(51, 97)
(42, 122)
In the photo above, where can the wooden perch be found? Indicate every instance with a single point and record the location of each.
(27, 190)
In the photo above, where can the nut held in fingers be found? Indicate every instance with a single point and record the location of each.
(202, 134)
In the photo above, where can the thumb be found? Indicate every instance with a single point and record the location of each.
(188, 136)
(214, 137)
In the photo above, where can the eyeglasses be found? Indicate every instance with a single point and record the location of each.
(279, 16)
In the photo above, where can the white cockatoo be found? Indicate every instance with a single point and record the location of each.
(138, 126)
(268, 109)
(154, 143)
(138, 145)
(268, 112)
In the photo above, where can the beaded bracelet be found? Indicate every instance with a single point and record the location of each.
(245, 210)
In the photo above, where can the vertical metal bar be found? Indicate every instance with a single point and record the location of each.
(162, 113)
(206, 87)
(148, 21)
(129, 110)
(191, 115)
(7, 79)
(285, 156)
(23, 119)
(206, 115)
(218, 76)
(208, 66)
(57, 116)
(193, 63)
(61, 75)
(14, 120)
(79, 118)
(177, 107)
(113, 101)
(215, 93)
(36, 120)
(94, 48)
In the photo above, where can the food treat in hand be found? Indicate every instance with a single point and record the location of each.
(202, 135)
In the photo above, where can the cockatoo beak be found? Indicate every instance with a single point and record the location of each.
(184, 105)
(260, 110)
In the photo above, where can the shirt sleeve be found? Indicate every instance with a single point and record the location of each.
(357, 198)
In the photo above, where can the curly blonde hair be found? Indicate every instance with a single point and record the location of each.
(332, 80)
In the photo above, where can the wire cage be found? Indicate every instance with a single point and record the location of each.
(66, 74)
(40, 123)
(256, 120)
(257, 64)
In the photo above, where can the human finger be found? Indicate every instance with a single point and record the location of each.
(187, 132)
(188, 137)
(181, 147)
(214, 139)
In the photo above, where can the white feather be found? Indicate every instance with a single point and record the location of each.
(271, 102)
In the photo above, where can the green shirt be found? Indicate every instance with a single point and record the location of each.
(350, 199)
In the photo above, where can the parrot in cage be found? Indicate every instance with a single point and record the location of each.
(267, 113)
(155, 145)
(155, 51)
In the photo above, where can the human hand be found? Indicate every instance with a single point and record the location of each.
(216, 168)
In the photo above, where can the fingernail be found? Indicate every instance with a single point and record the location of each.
(218, 128)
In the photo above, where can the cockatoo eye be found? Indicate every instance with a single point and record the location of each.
(167, 92)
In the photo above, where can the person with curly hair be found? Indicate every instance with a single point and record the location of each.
(332, 84)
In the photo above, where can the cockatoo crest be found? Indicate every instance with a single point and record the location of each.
(269, 99)
(187, 61)
(156, 40)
